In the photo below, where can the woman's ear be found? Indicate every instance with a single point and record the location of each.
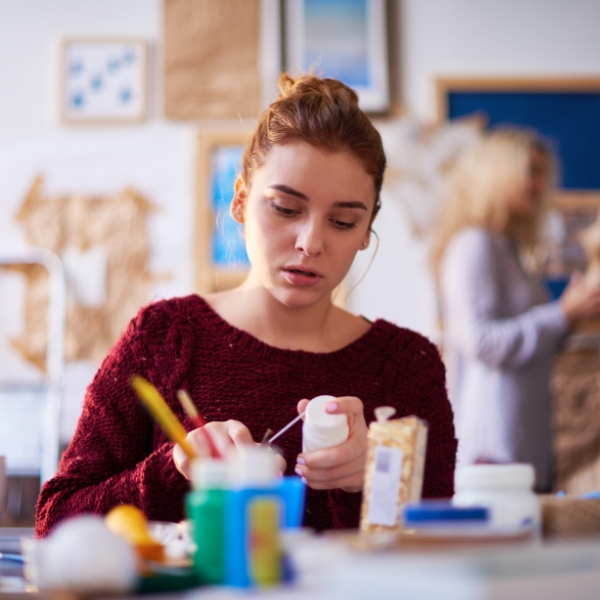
(238, 204)
(366, 240)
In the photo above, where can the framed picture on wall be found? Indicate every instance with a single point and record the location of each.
(343, 39)
(103, 80)
(221, 260)
(566, 113)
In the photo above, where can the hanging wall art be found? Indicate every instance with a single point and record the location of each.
(103, 80)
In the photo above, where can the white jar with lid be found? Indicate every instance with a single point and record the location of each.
(321, 429)
(506, 490)
(254, 467)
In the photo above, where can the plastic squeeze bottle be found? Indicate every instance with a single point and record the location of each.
(254, 509)
(322, 430)
(206, 511)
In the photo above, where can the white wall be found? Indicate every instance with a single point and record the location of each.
(155, 157)
(494, 37)
(437, 37)
(468, 38)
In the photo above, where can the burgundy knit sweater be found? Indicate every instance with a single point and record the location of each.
(118, 455)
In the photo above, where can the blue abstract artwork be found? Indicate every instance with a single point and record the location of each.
(227, 245)
(341, 39)
(104, 80)
(336, 39)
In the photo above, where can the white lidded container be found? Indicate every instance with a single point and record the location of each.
(210, 473)
(255, 467)
(506, 490)
(322, 430)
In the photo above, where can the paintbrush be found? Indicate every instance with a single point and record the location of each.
(161, 413)
(281, 431)
(199, 421)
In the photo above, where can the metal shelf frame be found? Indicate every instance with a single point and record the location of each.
(53, 386)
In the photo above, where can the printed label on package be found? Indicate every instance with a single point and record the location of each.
(385, 486)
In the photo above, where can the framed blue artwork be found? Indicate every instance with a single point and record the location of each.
(221, 259)
(103, 80)
(343, 39)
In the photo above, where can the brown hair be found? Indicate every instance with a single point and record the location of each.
(322, 113)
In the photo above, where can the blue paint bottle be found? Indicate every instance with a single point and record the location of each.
(258, 504)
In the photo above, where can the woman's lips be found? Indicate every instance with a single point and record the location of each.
(297, 276)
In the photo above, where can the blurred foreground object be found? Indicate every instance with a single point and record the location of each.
(130, 523)
(82, 555)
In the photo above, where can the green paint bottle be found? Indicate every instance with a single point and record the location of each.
(205, 507)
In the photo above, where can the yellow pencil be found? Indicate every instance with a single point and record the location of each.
(161, 413)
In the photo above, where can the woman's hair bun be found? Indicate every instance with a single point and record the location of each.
(315, 86)
(323, 113)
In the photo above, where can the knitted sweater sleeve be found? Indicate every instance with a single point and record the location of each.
(420, 389)
(117, 456)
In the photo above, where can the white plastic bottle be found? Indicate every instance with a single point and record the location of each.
(322, 430)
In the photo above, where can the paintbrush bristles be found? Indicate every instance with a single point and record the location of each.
(198, 420)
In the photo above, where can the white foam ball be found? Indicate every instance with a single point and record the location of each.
(85, 556)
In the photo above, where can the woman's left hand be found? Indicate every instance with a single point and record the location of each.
(342, 466)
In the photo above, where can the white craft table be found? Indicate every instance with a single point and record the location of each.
(330, 571)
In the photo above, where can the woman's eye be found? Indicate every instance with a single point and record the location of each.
(343, 224)
(286, 212)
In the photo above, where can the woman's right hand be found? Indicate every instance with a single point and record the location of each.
(228, 436)
(580, 300)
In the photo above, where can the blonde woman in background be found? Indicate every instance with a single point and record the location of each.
(501, 332)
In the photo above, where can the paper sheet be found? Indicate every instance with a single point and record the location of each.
(211, 59)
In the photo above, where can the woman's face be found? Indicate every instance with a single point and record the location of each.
(526, 202)
(306, 214)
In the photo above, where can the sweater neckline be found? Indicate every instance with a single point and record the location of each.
(376, 336)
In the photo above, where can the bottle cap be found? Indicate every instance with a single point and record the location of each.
(485, 477)
(255, 466)
(320, 422)
(210, 473)
(439, 512)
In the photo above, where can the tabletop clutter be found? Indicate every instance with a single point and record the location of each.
(244, 520)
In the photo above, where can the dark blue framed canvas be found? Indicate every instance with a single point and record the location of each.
(565, 111)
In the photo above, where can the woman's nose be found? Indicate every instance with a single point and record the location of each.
(310, 239)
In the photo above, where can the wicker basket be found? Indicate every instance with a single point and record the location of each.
(570, 517)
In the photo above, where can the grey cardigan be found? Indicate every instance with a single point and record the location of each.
(501, 335)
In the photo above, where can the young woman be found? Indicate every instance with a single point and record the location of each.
(501, 333)
(251, 357)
